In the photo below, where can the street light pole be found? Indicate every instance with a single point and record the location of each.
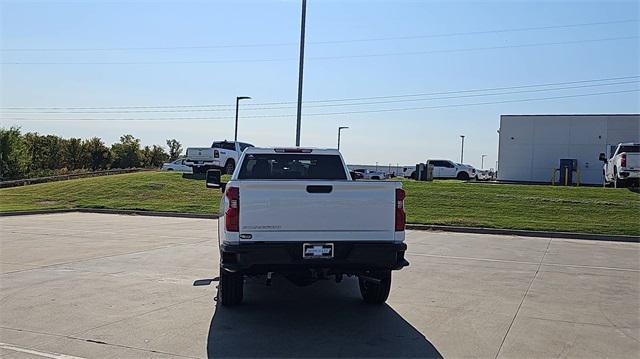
(482, 161)
(340, 129)
(235, 136)
(300, 72)
(462, 150)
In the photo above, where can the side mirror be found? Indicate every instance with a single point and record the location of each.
(212, 179)
(602, 157)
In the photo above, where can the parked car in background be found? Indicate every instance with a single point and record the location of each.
(371, 175)
(408, 172)
(484, 175)
(221, 155)
(356, 175)
(450, 169)
(177, 165)
(623, 168)
(295, 212)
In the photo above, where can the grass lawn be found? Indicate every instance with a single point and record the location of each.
(583, 209)
(569, 209)
(153, 191)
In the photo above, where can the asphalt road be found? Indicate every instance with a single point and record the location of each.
(94, 285)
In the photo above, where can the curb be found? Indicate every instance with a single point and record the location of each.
(525, 233)
(418, 227)
(130, 212)
(37, 211)
(70, 176)
(134, 212)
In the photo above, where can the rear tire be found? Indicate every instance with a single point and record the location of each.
(376, 293)
(616, 181)
(375, 178)
(231, 288)
(229, 167)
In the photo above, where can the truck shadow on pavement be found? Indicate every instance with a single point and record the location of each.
(326, 319)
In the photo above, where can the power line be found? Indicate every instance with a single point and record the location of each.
(471, 49)
(476, 32)
(336, 113)
(474, 104)
(411, 53)
(474, 90)
(373, 39)
(125, 119)
(334, 104)
(338, 99)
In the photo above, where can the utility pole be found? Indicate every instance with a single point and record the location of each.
(462, 150)
(340, 129)
(300, 72)
(482, 161)
(235, 136)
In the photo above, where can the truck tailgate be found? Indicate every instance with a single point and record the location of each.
(633, 161)
(200, 154)
(317, 210)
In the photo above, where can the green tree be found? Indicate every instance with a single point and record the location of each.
(46, 153)
(37, 151)
(14, 158)
(154, 156)
(56, 152)
(127, 153)
(158, 156)
(146, 156)
(96, 155)
(175, 149)
(73, 153)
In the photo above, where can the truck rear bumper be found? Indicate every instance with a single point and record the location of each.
(348, 257)
(630, 173)
(202, 163)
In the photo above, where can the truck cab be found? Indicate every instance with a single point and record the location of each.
(296, 212)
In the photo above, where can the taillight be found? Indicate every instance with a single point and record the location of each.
(623, 160)
(216, 153)
(400, 216)
(232, 215)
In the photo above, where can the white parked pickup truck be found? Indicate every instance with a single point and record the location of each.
(371, 175)
(623, 168)
(221, 154)
(295, 212)
(450, 169)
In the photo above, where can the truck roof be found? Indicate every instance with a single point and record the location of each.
(315, 151)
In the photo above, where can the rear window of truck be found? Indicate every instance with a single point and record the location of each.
(629, 148)
(292, 166)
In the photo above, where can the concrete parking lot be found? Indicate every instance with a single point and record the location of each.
(94, 285)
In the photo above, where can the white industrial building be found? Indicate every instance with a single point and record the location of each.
(531, 146)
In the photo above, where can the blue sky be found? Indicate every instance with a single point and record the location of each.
(215, 75)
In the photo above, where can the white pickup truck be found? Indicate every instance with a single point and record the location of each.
(221, 154)
(623, 168)
(450, 169)
(296, 212)
(371, 175)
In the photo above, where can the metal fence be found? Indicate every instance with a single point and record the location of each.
(28, 181)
